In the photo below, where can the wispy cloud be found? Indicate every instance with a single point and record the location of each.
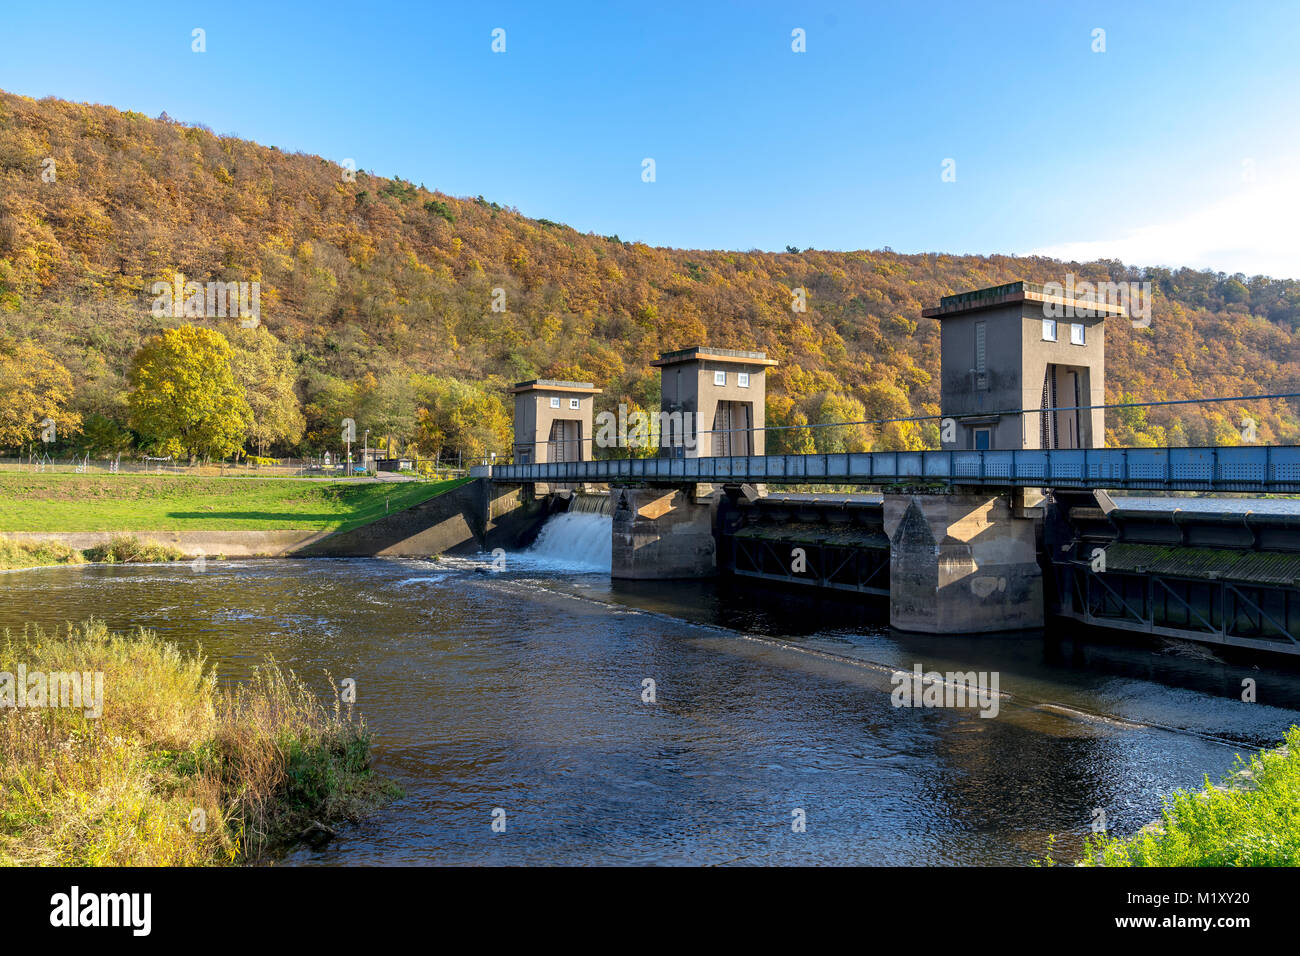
(1254, 232)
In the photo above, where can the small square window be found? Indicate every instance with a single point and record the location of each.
(742, 379)
(983, 439)
(1049, 330)
(555, 401)
(1076, 333)
(719, 378)
(575, 403)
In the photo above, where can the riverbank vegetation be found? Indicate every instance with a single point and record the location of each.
(15, 554)
(128, 549)
(135, 503)
(1252, 819)
(176, 769)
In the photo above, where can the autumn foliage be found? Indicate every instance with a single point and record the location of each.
(379, 295)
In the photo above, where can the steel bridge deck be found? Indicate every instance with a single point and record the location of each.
(1261, 469)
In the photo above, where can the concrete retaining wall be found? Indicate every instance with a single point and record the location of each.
(479, 515)
(661, 533)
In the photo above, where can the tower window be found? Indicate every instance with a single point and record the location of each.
(719, 378)
(1076, 333)
(981, 370)
(1049, 330)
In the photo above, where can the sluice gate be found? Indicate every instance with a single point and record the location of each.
(828, 541)
(589, 503)
(1226, 576)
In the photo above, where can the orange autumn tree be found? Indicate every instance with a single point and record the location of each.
(34, 388)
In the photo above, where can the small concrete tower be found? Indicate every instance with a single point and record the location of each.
(553, 421)
(1022, 346)
(712, 402)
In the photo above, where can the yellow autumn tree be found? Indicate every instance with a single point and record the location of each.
(184, 397)
(264, 367)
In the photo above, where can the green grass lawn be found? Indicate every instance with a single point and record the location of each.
(57, 502)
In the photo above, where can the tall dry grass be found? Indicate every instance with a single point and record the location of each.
(16, 553)
(176, 770)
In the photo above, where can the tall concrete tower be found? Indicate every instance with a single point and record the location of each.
(1019, 346)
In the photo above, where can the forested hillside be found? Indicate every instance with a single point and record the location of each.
(377, 295)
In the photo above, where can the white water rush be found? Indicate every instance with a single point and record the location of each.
(574, 540)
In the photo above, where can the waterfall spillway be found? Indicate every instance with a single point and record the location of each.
(589, 504)
(578, 539)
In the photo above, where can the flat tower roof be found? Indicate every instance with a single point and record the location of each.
(554, 385)
(1013, 292)
(701, 353)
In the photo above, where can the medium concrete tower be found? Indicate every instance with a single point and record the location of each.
(723, 391)
(553, 421)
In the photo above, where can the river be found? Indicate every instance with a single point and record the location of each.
(521, 688)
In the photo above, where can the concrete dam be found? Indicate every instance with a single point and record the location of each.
(1021, 516)
(1225, 571)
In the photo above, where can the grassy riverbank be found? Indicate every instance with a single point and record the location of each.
(1252, 819)
(175, 770)
(60, 502)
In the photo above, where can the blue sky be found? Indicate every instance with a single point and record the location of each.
(1178, 145)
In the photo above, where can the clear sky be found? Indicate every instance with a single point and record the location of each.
(1177, 145)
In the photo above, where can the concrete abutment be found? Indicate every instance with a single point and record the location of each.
(963, 563)
(662, 533)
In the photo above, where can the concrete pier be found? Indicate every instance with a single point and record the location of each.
(962, 563)
(662, 533)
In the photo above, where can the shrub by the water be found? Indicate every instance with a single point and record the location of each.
(127, 548)
(15, 553)
(1253, 820)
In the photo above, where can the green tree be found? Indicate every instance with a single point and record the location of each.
(103, 437)
(388, 408)
(460, 418)
(787, 428)
(835, 438)
(329, 401)
(184, 398)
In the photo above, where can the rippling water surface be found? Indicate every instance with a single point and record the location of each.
(522, 689)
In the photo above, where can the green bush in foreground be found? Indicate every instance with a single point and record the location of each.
(1253, 821)
(174, 771)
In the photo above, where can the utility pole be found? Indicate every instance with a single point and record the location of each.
(349, 436)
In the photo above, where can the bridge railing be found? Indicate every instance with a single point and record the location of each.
(1251, 468)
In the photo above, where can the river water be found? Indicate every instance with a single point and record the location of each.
(521, 688)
